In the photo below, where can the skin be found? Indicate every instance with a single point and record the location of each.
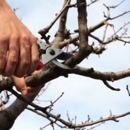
(18, 48)
(23, 88)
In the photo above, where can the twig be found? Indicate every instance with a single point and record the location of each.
(54, 101)
(72, 5)
(104, 34)
(126, 12)
(45, 30)
(69, 117)
(42, 91)
(95, 126)
(92, 2)
(110, 87)
(127, 88)
(115, 6)
(29, 103)
(6, 97)
(71, 125)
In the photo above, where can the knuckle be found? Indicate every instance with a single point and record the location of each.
(34, 39)
(25, 38)
(13, 61)
(26, 63)
(4, 38)
(15, 37)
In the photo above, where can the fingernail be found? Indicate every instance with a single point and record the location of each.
(24, 92)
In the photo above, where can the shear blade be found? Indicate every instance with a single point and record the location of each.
(64, 56)
(60, 65)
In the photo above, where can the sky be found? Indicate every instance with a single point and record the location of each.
(82, 96)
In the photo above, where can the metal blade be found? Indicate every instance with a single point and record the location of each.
(49, 53)
(64, 56)
(63, 66)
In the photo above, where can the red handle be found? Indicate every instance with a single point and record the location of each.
(40, 65)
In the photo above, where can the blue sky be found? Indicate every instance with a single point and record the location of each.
(83, 96)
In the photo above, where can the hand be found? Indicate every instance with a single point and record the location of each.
(21, 85)
(18, 48)
(23, 88)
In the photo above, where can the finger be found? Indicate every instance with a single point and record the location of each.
(34, 90)
(3, 53)
(34, 57)
(36, 71)
(12, 58)
(20, 85)
(24, 57)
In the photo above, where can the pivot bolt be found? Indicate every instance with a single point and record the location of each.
(52, 52)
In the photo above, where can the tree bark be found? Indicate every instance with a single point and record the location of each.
(9, 115)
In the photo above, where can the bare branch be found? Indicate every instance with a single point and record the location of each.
(92, 2)
(71, 125)
(115, 6)
(84, 48)
(126, 12)
(49, 106)
(48, 75)
(43, 31)
(127, 88)
(110, 87)
(62, 32)
(108, 76)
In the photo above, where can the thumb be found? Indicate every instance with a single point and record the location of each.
(24, 92)
(20, 85)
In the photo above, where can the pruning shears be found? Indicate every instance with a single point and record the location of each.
(48, 53)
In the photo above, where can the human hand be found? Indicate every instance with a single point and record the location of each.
(18, 48)
(23, 88)
(21, 85)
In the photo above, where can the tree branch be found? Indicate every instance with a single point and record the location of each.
(84, 48)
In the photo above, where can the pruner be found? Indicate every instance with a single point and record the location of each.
(48, 53)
